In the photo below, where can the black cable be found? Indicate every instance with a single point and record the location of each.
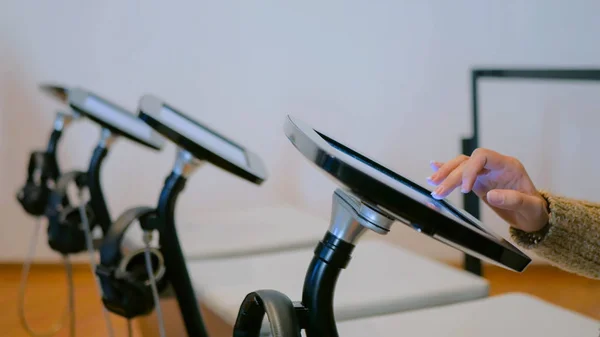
(153, 286)
(69, 310)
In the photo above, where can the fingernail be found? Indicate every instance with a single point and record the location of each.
(495, 198)
(464, 189)
(437, 193)
(431, 182)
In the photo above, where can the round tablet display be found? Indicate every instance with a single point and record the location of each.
(407, 201)
(201, 141)
(114, 118)
(57, 92)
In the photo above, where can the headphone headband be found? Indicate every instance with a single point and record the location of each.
(110, 249)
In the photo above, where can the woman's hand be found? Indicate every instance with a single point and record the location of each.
(500, 181)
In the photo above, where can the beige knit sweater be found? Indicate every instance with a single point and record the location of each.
(571, 240)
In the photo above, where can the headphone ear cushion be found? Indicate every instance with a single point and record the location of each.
(34, 198)
(66, 239)
(65, 234)
(129, 298)
(126, 290)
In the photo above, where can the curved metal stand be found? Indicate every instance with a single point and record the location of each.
(51, 153)
(97, 201)
(331, 256)
(61, 121)
(350, 219)
(177, 273)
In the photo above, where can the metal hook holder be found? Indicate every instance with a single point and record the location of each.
(63, 120)
(107, 138)
(351, 216)
(185, 163)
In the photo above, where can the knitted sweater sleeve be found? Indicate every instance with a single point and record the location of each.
(571, 240)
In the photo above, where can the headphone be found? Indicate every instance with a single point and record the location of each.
(126, 288)
(42, 171)
(280, 312)
(65, 232)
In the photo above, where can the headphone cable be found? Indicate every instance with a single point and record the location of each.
(92, 254)
(70, 308)
(152, 279)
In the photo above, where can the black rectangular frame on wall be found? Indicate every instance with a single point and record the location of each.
(471, 202)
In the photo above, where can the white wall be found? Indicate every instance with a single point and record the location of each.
(389, 77)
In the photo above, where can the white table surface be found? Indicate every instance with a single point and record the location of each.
(242, 232)
(381, 278)
(511, 315)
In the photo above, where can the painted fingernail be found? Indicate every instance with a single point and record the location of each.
(464, 189)
(431, 182)
(437, 193)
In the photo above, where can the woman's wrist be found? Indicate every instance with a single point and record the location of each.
(530, 239)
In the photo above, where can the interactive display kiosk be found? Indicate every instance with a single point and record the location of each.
(43, 173)
(45, 192)
(43, 170)
(371, 197)
(197, 144)
(115, 121)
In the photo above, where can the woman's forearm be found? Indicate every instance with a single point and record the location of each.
(571, 240)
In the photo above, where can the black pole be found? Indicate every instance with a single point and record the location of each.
(97, 202)
(331, 256)
(177, 273)
(470, 200)
(572, 74)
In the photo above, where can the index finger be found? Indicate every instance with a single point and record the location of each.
(480, 160)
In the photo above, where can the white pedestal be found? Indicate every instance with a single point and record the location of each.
(512, 315)
(243, 232)
(380, 279)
